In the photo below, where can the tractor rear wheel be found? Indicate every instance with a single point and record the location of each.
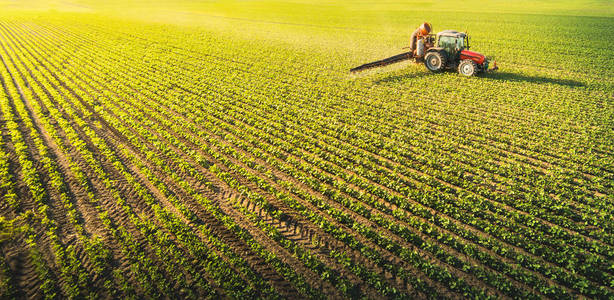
(435, 61)
(468, 67)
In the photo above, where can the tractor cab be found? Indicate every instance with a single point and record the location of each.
(452, 42)
(452, 52)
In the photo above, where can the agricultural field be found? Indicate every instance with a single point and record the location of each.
(222, 149)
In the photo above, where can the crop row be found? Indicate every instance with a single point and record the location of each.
(161, 248)
(436, 209)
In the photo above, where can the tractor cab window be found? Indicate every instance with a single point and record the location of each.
(448, 43)
(460, 43)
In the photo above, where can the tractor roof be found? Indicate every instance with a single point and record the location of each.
(452, 33)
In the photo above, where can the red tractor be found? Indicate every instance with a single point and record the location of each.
(448, 49)
(452, 52)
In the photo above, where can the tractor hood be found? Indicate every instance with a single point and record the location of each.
(478, 58)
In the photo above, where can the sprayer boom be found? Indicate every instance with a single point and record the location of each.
(384, 62)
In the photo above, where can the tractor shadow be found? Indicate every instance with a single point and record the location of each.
(501, 76)
(507, 76)
(396, 78)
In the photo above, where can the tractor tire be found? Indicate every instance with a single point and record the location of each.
(468, 67)
(435, 61)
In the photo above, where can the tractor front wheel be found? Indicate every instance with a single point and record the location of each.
(435, 61)
(468, 67)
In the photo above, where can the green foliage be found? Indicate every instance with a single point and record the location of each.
(222, 150)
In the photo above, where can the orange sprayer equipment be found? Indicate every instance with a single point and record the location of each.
(425, 28)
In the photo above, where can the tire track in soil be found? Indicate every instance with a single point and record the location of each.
(26, 278)
(55, 213)
(25, 281)
(337, 206)
(85, 215)
(255, 262)
(120, 140)
(482, 196)
(385, 188)
(91, 220)
(379, 228)
(224, 184)
(238, 218)
(25, 203)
